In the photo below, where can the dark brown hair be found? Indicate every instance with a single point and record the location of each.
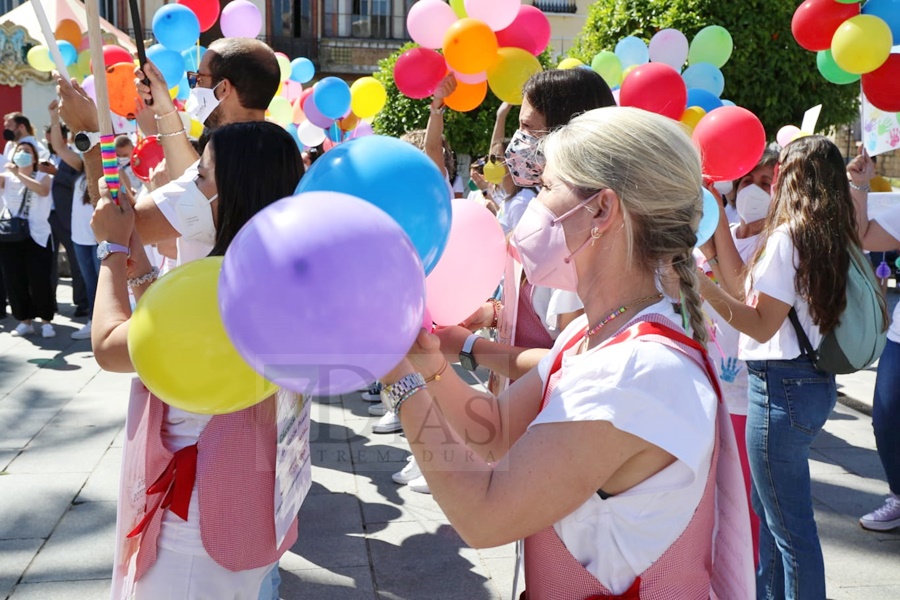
(250, 66)
(561, 94)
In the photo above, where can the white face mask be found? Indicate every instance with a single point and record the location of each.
(196, 217)
(202, 102)
(752, 203)
(123, 161)
(724, 187)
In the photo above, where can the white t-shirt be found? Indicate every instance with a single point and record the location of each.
(166, 199)
(512, 210)
(890, 222)
(660, 395)
(731, 214)
(82, 234)
(10, 148)
(549, 303)
(38, 206)
(775, 276)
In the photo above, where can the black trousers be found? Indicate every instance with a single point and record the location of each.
(26, 272)
(61, 226)
(2, 296)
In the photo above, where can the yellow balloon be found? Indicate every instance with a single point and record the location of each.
(284, 64)
(180, 350)
(39, 58)
(570, 63)
(173, 91)
(494, 172)
(507, 76)
(861, 44)
(367, 97)
(196, 129)
(691, 117)
(628, 70)
(280, 110)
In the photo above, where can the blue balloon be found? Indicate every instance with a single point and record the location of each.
(176, 27)
(396, 177)
(292, 129)
(710, 219)
(704, 99)
(192, 58)
(889, 10)
(332, 97)
(67, 51)
(704, 76)
(302, 70)
(184, 89)
(632, 51)
(728, 103)
(335, 134)
(169, 63)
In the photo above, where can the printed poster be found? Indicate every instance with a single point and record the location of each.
(293, 469)
(880, 130)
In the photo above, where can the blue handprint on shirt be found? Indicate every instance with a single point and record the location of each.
(729, 370)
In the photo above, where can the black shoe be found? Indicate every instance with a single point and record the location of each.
(81, 312)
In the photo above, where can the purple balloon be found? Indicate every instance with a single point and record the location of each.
(362, 130)
(314, 115)
(290, 299)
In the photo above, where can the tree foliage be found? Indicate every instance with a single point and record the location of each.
(467, 133)
(768, 73)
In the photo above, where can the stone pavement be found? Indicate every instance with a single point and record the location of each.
(361, 535)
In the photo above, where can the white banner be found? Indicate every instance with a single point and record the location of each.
(880, 130)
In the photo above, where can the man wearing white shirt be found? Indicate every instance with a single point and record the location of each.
(17, 128)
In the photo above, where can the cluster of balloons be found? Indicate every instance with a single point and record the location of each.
(283, 306)
(73, 46)
(852, 43)
(485, 43)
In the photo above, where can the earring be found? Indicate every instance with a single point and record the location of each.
(596, 234)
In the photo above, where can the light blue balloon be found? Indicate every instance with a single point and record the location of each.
(292, 129)
(889, 10)
(417, 197)
(632, 51)
(302, 70)
(710, 219)
(332, 97)
(704, 76)
(176, 27)
(169, 63)
(704, 99)
(67, 51)
(728, 103)
(192, 58)
(184, 89)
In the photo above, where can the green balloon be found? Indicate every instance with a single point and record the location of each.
(831, 71)
(849, 1)
(459, 7)
(712, 45)
(609, 67)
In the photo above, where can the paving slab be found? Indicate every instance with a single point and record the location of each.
(15, 556)
(97, 589)
(32, 504)
(346, 583)
(103, 483)
(331, 533)
(19, 425)
(64, 449)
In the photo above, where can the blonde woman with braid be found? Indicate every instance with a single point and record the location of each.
(609, 457)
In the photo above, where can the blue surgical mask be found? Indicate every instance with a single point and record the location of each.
(22, 159)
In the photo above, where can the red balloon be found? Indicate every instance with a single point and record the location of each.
(882, 86)
(530, 31)
(418, 72)
(731, 140)
(113, 55)
(655, 87)
(207, 11)
(145, 156)
(815, 22)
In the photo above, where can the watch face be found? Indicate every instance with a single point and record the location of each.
(82, 142)
(102, 250)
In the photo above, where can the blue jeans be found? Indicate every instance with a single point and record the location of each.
(886, 414)
(269, 588)
(90, 271)
(789, 403)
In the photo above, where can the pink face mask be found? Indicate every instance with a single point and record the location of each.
(540, 242)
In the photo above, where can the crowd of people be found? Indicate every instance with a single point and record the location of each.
(650, 407)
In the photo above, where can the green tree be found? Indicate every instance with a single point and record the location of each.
(768, 73)
(467, 133)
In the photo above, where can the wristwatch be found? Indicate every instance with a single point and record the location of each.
(107, 248)
(467, 357)
(393, 395)
(85, 140)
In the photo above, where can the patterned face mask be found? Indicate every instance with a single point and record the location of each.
(523, 159)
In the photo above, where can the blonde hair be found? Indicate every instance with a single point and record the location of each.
(654, 168)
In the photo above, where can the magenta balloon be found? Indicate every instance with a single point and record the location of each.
(427, 321)
(290, 298)
(428, 21)
(240, 18)
(530, 31)
(314, 116)
(418, 72)
(471, 266)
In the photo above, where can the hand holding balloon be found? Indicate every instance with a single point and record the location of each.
(424, 357)
(111, 222)
(861, 169)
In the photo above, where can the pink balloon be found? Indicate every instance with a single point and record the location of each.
(498, 14)
(427, 321)
(471, 266)
(470, 79)
(616, 92)
(786, 135)
(669, 46)
(240, 18)
(530, 31)
(428, 21)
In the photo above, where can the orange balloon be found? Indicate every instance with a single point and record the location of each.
(122, 91)
(467, 96)
(470, 46)
(69, 31)
(348, 123)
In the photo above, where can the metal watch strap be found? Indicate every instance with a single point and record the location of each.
(392, 395)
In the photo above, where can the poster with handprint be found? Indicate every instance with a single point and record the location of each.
(881, 130)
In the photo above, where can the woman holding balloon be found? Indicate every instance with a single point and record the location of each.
(609, 448)
(214, 531)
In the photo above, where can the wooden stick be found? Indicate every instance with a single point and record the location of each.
(107, 136)
(50, 36)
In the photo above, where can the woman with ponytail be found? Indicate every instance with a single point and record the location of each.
(607, 458)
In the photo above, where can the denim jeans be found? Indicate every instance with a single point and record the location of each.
(886, 414)
(90, 271)
(789, 403)
(269, 588)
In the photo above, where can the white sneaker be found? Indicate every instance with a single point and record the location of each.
(23, 329)
(373, 394)
(389, 423)
(84, 333)
(410, 471)
(885, 518)
(419, 485)
(47, 330)
(377, 410)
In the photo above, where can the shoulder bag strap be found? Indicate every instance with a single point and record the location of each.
(26, 204)
(801, 336)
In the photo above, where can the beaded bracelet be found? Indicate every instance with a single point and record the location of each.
(168, 114)
(144, 279)
(168, 135)
(407, 396)
(860, 188)
(497, 306)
